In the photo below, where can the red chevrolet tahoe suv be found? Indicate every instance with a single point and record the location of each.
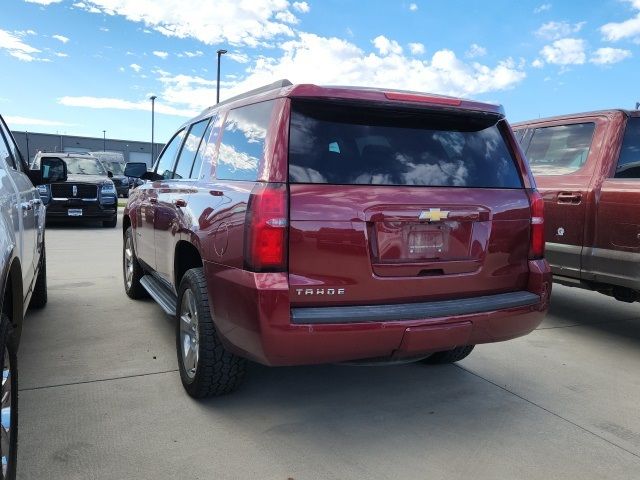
(299, 224)
(587, 166)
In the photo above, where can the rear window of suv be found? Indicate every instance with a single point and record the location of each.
(358, 145)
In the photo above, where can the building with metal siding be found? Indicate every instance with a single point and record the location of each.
(132, 150)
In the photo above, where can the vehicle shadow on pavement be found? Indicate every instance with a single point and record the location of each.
(572, 307)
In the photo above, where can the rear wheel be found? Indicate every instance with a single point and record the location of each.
(111, 223)
(449, 356)
(131, 269)
(9, 397)
(39, 296)
(206, 367)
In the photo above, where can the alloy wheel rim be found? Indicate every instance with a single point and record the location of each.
(189, 336)
(128, 263)
(5, 429)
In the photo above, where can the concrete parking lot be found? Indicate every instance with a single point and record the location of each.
(101, 398)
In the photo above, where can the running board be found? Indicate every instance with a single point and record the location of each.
(161, 294)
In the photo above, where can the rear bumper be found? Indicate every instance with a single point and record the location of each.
(254, 319)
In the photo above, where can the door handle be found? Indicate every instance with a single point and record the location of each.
(180, 203)
(153, 200)
(570, 197)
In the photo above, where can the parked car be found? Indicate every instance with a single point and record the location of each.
(587, 168)
(23, 273)
(303, 224)
(114, 162)
(87, 194)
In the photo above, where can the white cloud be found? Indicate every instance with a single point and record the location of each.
(567, 51)
(537, 63)
(43, 2)
(416, 48)
(287, 17)
(26, 121)
(104, 29)
(628, 29)
(386, 46)
(120, 104)
(333, 61)
(302, 7)
(60, 38)
(251, 23)
(135, 67)
(238, 57)
(476, 50)
(413, 7)
(555, 30)
(197, 53)
(60, 54)
(542, 8)
(14, 45)
(609, 56)
(160, 54)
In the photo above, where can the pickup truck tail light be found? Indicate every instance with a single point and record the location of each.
(536, 247)
(265, 246)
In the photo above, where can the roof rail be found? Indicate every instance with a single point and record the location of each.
(265, 88)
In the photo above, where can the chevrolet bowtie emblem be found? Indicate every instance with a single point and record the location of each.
(433, 215)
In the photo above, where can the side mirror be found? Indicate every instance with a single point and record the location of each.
(139, 170)
(52, 170)
(110, 174)
(135, 169)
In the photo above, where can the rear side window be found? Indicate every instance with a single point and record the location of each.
(206, 152)
(243, 139)
(560, 150)
(629, 161)
(188, 152)
(353, 145)
(164, 166)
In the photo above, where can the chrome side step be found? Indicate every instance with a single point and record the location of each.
(161, 294)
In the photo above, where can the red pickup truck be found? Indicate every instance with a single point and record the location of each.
(587, 167)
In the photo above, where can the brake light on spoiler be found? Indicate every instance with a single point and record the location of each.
(416, 97)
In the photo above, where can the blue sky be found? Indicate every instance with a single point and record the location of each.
(84, 66)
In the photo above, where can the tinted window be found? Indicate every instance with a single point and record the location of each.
(560, 150)
(242, 145)
(364, 146)
(188, 152)
(164, 165)
(207, 150)
(629, 161)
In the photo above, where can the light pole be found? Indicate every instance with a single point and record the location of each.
(104, 140)
(637, 105)
(153, 119)
(220, 53)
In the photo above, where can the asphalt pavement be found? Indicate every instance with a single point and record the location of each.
(100, 396)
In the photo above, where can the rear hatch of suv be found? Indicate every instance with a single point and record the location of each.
(396, 203)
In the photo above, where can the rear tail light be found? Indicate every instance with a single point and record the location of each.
(265, 247)
(536, 247)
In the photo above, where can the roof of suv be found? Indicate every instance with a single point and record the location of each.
(284, 88)
(573, 116)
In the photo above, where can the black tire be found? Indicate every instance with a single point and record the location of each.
(111, 223)
(39, 296)
(217, 371)
(7, 348)
(135, 289)
(449, 356)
